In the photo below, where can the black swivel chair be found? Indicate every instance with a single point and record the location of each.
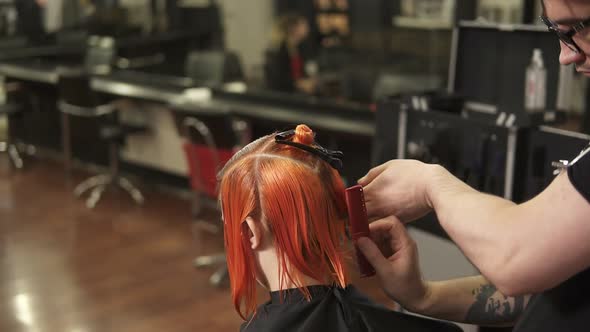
(10, 110)
(76, 98)
(214, 67)
(18, 101)
(100, 54)
(212, 139)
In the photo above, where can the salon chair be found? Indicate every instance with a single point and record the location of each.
(18, 102)
(212, 139)
(10, 110)
(76, 98)
(214, 67)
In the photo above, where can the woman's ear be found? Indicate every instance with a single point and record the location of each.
(255, 232)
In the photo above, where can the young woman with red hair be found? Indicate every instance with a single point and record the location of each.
(285, 218)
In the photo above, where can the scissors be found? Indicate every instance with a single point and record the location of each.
(564, 164)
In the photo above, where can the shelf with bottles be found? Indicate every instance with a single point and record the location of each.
(421, 23)
(425, 14)
(332, 18)
(341, 6)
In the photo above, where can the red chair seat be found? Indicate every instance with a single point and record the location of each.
(202, 168)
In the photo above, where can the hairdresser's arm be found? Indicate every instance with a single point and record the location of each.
(524, 248)
(472, 300)
(521, 249)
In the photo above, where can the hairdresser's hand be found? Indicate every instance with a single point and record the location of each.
(398, 188)
(394, 255)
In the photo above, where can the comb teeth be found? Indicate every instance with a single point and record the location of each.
(359, 225)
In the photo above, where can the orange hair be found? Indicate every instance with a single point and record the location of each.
(300, 198)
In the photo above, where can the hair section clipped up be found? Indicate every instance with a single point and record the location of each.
(299, 196)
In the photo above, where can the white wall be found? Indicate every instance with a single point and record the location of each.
(247, 30)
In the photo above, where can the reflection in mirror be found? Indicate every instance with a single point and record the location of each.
(347, 51)
(506, 11)
(357, 51)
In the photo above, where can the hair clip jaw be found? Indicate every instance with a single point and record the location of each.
(332, 157)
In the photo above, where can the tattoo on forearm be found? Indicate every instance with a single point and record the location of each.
(492, 307)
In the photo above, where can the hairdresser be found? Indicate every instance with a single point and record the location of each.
(534, 257)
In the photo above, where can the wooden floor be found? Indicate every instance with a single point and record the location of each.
(116, 268)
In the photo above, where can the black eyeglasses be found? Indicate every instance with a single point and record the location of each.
(567, 36)
(332, 157)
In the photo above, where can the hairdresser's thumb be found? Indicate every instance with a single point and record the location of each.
(372, 253)
(371, 175)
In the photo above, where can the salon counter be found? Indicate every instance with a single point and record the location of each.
(159, 100)
(348, 127)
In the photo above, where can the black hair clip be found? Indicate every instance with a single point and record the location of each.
(332, 157)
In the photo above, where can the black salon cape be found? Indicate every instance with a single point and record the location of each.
(567, 306)
(335, 309)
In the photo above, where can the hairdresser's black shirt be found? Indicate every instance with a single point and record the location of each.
(567, 306)
(334, 309)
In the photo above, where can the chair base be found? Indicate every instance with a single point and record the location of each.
(208, 227)
(28, 149)
(219, 276)
(99, 183)
(203, 261)
(13, 154)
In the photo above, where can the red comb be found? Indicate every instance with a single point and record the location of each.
(359, 225)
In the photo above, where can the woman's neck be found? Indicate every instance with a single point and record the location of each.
(269, 274)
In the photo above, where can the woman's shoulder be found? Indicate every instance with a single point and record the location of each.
(336, 309)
